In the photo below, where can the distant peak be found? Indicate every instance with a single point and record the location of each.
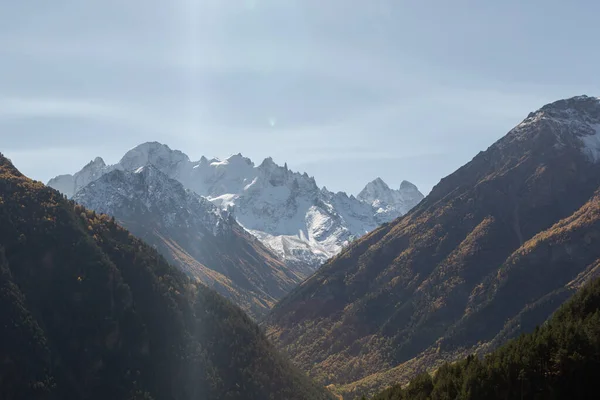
(153, 144)
(152, 153)
(98, 161)
(268, 162)
(235, 161)
(239, 158)
(378, 183)
(153, 147)
(381, 196)
(406, 185)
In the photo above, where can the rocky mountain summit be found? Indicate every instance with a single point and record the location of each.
(390, 203)
(302, 224)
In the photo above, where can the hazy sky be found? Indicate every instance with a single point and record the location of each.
(346, 90)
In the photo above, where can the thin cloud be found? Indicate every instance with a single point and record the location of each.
(56, 107)
(126, 114)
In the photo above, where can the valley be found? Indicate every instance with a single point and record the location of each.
(250, 232)
(299, 200)
(415, 290)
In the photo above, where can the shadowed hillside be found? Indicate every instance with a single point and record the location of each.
(91, 312)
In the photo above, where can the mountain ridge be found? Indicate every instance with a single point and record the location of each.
(425, 286)
(203, 240)
(302, 223)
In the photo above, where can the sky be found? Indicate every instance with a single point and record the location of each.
(345, 90)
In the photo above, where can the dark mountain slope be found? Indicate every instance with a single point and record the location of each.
(449, 274)
(192, 233)
(90, 312)
(559, 360)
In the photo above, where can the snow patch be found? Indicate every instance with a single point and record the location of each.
(591, 144)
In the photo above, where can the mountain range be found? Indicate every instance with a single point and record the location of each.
(302, 223)
(202, 239)
(491, 252)
(91, 312)
(179, 205)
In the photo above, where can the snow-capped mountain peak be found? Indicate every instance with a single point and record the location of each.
(303, 224)
(390, 203)
(148, 191)
(234, 161)
(97, 162)
(580, 117)
(157, 154)
(374, 189)
(70, 184)
(574, 121)
(406, 186)
(268, 163)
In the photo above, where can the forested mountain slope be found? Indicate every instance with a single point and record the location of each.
(91, 312)
(559, 360)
